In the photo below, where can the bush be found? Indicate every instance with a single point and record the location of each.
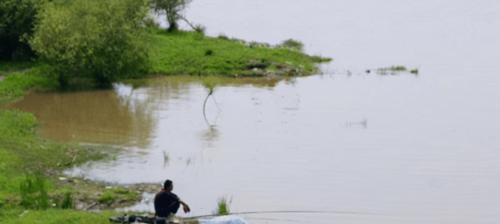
(16, 25)
(92, 39)
(292, 44)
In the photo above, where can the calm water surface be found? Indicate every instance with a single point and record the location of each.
(390, 149)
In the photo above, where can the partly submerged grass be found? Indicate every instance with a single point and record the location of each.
(192, 53)
(223, 206)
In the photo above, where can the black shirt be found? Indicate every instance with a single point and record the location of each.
(166, 203)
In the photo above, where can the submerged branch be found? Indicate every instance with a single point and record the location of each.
(210, 92)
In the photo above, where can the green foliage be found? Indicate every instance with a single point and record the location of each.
(223, 37)
(16, 25)
(292, 44)
(222, 207)
(172, 10)
(33, 192)
(92, 39)
(209, 52)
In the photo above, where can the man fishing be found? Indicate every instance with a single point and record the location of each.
(167, 203)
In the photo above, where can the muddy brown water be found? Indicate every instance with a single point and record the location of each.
(386, 149)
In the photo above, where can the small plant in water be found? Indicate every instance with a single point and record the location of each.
(394, 70)
(223, 206)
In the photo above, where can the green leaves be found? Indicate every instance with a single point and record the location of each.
(93, 39)
(16, 24)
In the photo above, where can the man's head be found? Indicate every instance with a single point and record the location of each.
(168, 185)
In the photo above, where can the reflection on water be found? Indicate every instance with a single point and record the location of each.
(96, 116)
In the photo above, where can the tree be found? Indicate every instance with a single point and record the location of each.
(172, 10)
(99, 40)
(16, 25)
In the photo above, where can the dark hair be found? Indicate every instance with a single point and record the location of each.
(167, 184)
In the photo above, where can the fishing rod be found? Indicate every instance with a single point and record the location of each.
(285, 212)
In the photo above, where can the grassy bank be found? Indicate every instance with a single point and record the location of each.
(31, 180)
(23, 155)
(53, 216)
(191, 53)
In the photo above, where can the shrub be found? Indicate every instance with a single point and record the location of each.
(292, 44)
(209, 52)
(223, 37)
(92, 39)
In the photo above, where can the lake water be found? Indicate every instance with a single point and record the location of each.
(378, 149)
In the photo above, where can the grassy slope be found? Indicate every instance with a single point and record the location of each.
(194, 54)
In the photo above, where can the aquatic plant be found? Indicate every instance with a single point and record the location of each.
(393, 70)
(223, 206)
(92, 39)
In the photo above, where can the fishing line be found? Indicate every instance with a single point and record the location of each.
(287, 212)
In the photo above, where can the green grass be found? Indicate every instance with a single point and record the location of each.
(18, 80)
(54, 216)
(191, 53)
